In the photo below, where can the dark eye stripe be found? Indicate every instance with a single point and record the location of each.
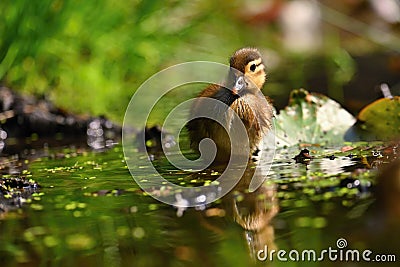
(254, 66)
(260, 67)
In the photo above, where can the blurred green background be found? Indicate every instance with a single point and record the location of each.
(90, 56)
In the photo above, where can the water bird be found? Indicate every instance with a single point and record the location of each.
(241, 91)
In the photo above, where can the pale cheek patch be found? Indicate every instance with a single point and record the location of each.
(257, 62)
(258, 75)
(257, 78)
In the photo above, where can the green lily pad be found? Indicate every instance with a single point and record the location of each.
(311, 118)
(380, 120)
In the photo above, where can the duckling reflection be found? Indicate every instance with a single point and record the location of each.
(254, 211)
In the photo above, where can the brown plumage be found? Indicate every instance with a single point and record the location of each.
(242, 94)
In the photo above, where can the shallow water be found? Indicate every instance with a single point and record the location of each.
(90, 212)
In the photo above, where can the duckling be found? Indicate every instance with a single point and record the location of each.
(241, 92)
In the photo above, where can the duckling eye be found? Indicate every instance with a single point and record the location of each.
(253, 67)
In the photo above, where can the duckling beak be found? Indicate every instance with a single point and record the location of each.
(240, 84)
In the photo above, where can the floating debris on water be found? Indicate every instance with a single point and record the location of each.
(303, 157)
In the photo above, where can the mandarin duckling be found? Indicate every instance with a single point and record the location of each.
(241, 92)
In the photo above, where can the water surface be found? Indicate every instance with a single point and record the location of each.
(90, 212)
